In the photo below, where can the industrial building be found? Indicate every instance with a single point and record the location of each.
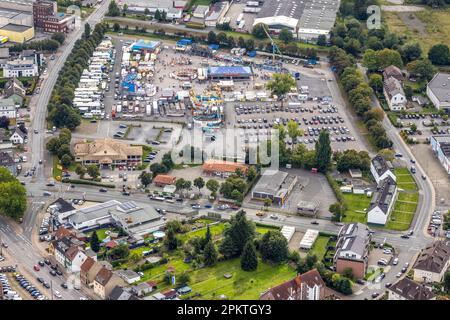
(308, 208)
(441, 148)
(173, 9)
(15, 17)
(305, 19)
(382, 202)
(216, 13)
(17, 5)
(236, 73)
(20, 68)
(17, 33)
(274, 185)
(438, 90)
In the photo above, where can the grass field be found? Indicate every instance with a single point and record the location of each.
(357, 206)
(405, 180)
(101, 233)
(428, 27)
(210, 282)
(57, 167)
(320, 247)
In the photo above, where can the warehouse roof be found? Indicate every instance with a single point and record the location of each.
(440, 86)
(444, 143)
(272, 182)
(15, 27)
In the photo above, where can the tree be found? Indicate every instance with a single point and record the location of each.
(376, 82)
(411, 51)
(348, 273)
(180, 184)
(258, 31)
(286, 35)
(93, 171)
(281, 84)
(210, 254)
(322, 40)
(113, 9)
(323, 151)
(59, 36)
(240, 231)
(66, 160)
(171, 240)
(184, 278)
(157, 168)
(80, 170)
(226, 248)
(292, 128)
(422, 69)
(251, 173)
(273, 247)
(87, 30)
(344, 285)
(208, 236)
(158, 15)
(116, 27)
(94, 242)
(63, 150)
(439, 54)
(199, 183)
(212, 185)
(212, 38)
(4, 122)
(120, 252)
(249, 260)
(267, 202)
(145, 178)
(13, 202)
(447, 282)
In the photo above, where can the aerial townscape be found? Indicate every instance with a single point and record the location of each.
(224, 150)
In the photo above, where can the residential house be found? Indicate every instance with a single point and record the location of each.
(74, 259)
(8, 108)
(394, 94)
(307, 286)
(120, 293)
(381, 169)
(144, 288)
(5, 143)
(15, 90)
(105, 281)
(433, 262)
(18, 137)
(60, 206)
(406, 289)
(216, 13)
(129, 276)
(107, 152)
(6, 161)
(68, 252)
(438, 90)
(162, 180)
(393, 72)
(382, 202)
(352, 249)
(89, 270)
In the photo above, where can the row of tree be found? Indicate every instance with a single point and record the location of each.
(51, 44)
(60, 108)
(60, 146)
(359, 95)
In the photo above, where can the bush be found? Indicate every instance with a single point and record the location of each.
(89, 183)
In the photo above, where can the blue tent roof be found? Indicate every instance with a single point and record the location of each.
(230, 70)
(145, 45)
(184, 42)
(251, 54)
(214, 46)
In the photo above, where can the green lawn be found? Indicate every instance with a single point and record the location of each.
(56, 167)
(357, 207)
(216, 231)
(320, 247)
(405, 180)
(101, 233)
(210, 282)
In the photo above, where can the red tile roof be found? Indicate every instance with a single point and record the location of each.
(87, 264)
(223, 166)
(164, 179)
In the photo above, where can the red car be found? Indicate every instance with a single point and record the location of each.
(36, 267)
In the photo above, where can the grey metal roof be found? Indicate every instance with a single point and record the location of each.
(384, 195)
(288, 8)
(440, 86)
(393, 87)
(270, 182)
(444, 144)
(94, 212)
(353, 237)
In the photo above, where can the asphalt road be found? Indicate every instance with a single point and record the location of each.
(20, 244)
